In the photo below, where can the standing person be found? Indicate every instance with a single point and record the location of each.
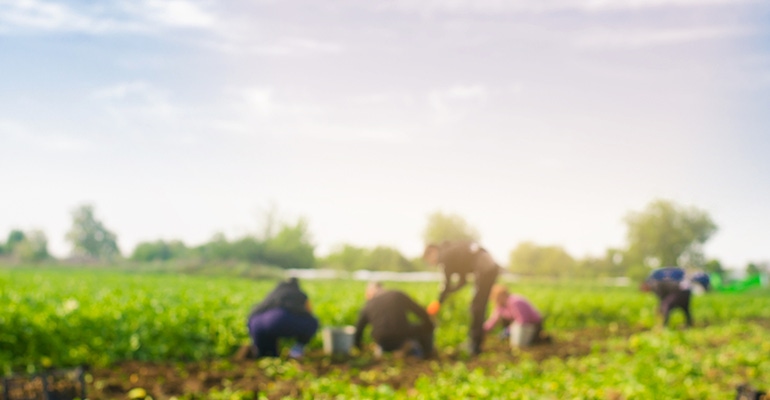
(284, 313)
(462, 258)
(672, 291)
(510, 308)
(387, 311)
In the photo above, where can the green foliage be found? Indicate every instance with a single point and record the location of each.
(667, 234)
(443, 227)
(388, 259)
(89, 236)
(291, 247)
(33, 249)
(713, 266)
(348, 258)
(216, 249)
(14, 237)
(158, 250)
(69, 317)
(611, 265)
(638, 272)
(531, 259)
(381, 258)
(29, 247)
(753, 269)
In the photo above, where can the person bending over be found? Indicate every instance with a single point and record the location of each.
(460, 259)
(387, 312)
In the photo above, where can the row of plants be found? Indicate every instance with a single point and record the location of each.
(63, 317)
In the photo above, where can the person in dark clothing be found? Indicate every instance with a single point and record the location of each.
(460, 259)
(387, 311)
(672, 291)
(284, 313)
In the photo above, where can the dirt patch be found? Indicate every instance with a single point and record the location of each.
(170, 379)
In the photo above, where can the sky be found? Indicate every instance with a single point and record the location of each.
(544, 121)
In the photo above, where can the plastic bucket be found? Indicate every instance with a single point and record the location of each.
(522, 335)
(338, 340)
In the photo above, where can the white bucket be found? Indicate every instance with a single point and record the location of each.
(338, 340)
(522, 335)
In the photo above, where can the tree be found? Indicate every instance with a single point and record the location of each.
(384, 258)
(33, 248)
(531, 259)
(612, 264)
(754, 269)
(381, 258)
(714, 266)
(158, 250)
(89, 236)
(14, 237)
(667, 234)
(348, 258)
(291, 247)
(443, 227)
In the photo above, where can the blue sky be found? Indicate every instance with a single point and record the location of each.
(535, 120)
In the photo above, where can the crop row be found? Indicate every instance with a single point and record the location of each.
(62, 317)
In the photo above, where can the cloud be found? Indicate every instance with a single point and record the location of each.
(293, 46)
(121, 90)
(136, 99)
(236, 44)
(466, 92)
(619, 39)
(427, 7)
(262, 102)
(219, 28)
(38, 15)
(145, 16)
(345, 133)
(448, 104)
(609, 5)
(177, 13)
(259, 100)
(52, 141)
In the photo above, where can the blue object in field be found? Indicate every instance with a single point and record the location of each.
(668, 273)
(702, 279)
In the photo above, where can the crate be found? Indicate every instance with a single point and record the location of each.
(62, 384)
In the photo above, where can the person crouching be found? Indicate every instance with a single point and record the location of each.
(284, 313)
(515, 309)
(387, 312)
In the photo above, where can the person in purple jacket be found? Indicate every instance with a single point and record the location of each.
(284, 313)
(512, 308)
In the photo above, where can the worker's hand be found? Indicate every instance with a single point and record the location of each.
(433, 308)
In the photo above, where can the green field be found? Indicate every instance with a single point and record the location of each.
(607, 342)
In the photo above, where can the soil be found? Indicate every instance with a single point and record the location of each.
(170, 379)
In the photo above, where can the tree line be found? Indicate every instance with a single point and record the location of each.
(662, 234)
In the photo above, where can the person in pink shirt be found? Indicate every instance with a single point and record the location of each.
(510, 308)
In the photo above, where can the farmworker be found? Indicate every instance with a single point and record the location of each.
(672, 290)
(702, 279)
(387, 311)
(462, 258)
(511, 309)
(284, 313)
